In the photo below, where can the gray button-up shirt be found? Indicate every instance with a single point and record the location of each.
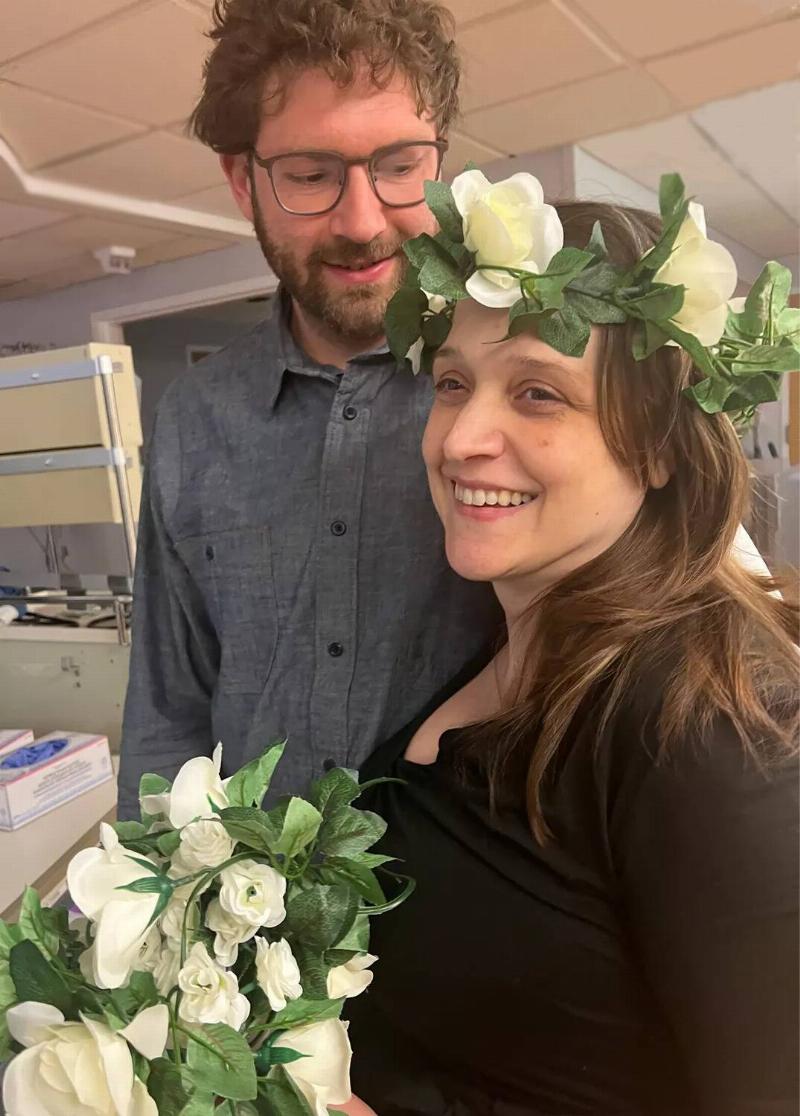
(291, 577)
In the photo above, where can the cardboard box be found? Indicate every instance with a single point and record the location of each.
(54, 769)
(15, 738)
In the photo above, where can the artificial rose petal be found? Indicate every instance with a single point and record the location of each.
(481, 288)
(24, 1093)
(467, 187)
(142, 1104)
(323, 1075)
(29, 1022)
(147, 1032)
(548, 238)
(121, 930)
(196, 786)
(116, 1062)
(528, 187)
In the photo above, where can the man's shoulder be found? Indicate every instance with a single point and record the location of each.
(240, 364)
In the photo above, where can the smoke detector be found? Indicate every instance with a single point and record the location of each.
(116, 259)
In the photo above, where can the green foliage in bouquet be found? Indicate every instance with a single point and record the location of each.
(219, 946)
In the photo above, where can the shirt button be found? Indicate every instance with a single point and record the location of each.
(338, 527)
(335, 650)
(329, 763)
(350, 412)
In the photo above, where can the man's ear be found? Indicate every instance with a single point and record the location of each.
(236, 169)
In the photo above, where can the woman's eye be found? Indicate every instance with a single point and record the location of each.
(448, 385)
(539, 395)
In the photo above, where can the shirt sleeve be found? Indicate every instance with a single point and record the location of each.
(174, 649)
(706, 845)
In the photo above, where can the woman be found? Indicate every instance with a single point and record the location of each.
(601, 816)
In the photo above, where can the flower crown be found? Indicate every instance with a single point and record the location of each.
(500, 245)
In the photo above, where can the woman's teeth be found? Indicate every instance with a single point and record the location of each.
(502, 497)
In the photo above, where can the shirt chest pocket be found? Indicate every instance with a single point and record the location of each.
(233, 572)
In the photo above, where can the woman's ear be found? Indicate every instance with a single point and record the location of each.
(659, 474)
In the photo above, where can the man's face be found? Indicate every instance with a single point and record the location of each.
(321, 259)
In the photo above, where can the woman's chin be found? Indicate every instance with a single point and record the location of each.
(475, 566)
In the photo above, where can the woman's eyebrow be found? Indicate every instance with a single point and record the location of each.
(539, 364)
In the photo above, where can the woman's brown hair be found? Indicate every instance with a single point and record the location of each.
(668, 601)
(261, 44)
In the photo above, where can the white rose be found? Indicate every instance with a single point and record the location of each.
(165, 973)
(204, 844)
(196, 786)
(123, 918)
(171, 921)
(707, 271)
(506, 224)
(414, 354)
(210, 993)
(351, 978)
(149, 952)
(277, 973)
(229, 932)
(82, 1067)
(323, 1075)
(253, 893)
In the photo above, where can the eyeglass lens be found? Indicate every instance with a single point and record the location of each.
(310, 183)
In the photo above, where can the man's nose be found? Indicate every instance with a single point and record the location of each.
(359, 216)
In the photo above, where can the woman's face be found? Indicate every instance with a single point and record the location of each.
(520, 475)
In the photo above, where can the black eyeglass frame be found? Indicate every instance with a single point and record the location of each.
(368, 162)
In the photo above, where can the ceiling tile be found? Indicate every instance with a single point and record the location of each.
(216, 200)
(177, 248)
(157, 165)
(16, 219)
(146, 64)
(467, 10)
(516, 53)
(463, 150)
(28, 24)
(41, 129)
(587, 108)
(733, 205)
(737, 124)
(646, 30)
(763, 57)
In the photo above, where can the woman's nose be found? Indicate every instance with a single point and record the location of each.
(476, 432)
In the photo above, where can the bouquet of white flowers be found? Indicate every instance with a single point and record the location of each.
(216, 948)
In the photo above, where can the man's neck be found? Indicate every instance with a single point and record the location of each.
(323, 345)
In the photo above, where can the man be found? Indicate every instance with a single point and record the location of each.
(291, 576)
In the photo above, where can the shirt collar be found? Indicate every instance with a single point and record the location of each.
(289, 357)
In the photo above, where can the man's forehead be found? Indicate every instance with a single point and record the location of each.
(311, 110)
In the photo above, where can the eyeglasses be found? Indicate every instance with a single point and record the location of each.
(309, 183)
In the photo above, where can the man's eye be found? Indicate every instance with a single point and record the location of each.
(315, 179)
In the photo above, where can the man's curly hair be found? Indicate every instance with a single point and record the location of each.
(260, 44)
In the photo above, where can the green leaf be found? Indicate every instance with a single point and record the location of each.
(350, 831)
(659, 304)
(362, 878)
(321, 914)
(662, 249)
(435, 329)
(129, 830)
(279, 1096)
(269, 1056)
(766, 358)
(565, 331)
(565, 266)
(439, 273)
(767, 299)
(337, 787)
(168, 843)
(300, 827)
(595, 310)
(647, 338)
(699, 354)
(35, 979)
(597, 242)
(41, 925)
(372, 860)
(165, 1086)
(251, 782)
(439, 199)
(249, 827)
(789, 325)
(299, 1012)
(219, 1061)
(600, 280)
(152, 784)
(356, 939)
(671, 195)
(204, 1104)
(403, 320)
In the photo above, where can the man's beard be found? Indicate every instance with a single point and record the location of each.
(355, 313)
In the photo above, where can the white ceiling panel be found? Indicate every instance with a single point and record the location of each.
(145, 65)
(759, 134)
(19, 218)
(28, 24)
